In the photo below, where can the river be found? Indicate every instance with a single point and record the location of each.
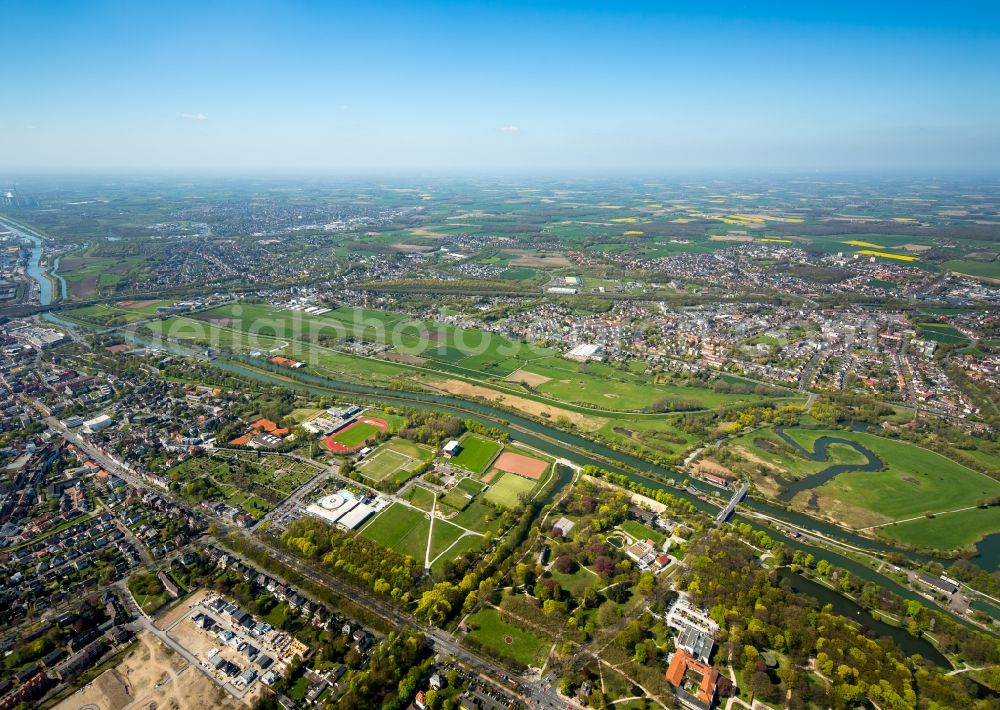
(821, 454)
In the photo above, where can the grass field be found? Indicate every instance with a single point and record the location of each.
(420, 497)
(641, 531)
(383, 463)
(576, 582)
(940, 332)
(986, 269)
(914, 481)
(401, 529)
(950, 531)
(507, 489)
(766, 445)
(476, 453)
(445, 534)
(478, 355)
(492, 631)
(357, 434)
(456, 499)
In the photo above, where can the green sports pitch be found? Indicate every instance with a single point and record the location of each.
(476, 453)
(383, 463)
(507, 488)
(357, 434)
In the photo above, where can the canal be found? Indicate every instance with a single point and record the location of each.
(910, 644)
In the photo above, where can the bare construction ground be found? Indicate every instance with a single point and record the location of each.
(150, 676)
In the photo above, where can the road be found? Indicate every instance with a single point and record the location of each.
(534, 692)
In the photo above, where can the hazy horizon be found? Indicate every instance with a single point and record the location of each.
(548, 88)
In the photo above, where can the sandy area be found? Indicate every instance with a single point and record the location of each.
(529, 378)
(151, 676)
(916, 247)
(538, 409)
(527, 258)
(179, 611)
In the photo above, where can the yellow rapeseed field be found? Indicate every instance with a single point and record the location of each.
(887, 255)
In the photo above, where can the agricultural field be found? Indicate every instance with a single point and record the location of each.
(983, 269)
(88, 276)
(506, 639)
(941, 332)
(476, 454)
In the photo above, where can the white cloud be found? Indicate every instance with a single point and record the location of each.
(509, 129)
(193, 116)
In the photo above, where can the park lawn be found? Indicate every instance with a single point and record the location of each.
(507, 488)
(465, 544)
(492, 631)
(476, 454)
(578, 581)
(915, 480)
(443, 537)
(357, 434)
(383, 463)
(401, 529)
(658, 435)
(946, 532)
(479, 517)
(420, 497)
(641, 531)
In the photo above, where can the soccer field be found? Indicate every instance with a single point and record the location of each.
(383, 463)
(476, 453)
(357, 434)
(507, 489)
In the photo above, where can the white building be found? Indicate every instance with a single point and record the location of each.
(98, 423)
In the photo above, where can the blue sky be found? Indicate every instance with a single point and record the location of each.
(624, 86)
